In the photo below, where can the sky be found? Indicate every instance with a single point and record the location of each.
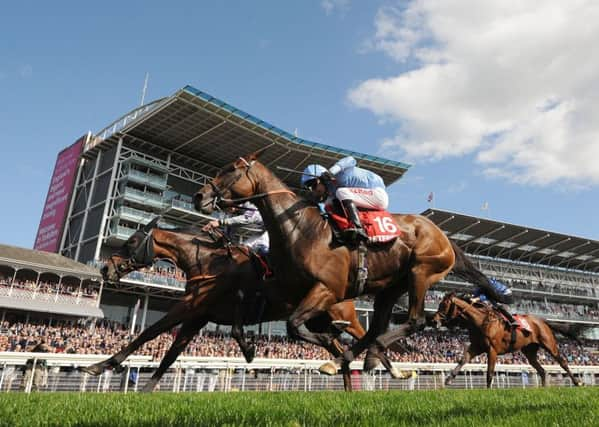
(494, 103)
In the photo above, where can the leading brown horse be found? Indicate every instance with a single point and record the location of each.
(490, 334)
(218, 279)
(318, 272)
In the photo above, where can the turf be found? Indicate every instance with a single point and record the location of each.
(533, 407)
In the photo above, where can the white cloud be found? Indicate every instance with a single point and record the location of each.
(515, 83)
(331, 6)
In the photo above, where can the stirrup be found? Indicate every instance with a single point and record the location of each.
(342, 325)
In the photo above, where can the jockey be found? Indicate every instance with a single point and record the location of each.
(250, 216)
(353, 186)
(479, 294)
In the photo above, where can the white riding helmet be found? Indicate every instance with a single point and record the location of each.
(312, 172)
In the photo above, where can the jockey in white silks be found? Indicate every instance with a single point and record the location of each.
(250, 216)
(352, 186)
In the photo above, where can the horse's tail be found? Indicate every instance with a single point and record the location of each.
(563, 329)
(466, 270)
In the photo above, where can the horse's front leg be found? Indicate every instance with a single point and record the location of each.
(188, 330)
(491, 361)
(470, 351)
(317, 301)
(177, 314)
(248, 350)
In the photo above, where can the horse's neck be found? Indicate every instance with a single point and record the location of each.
(183, 252)
(287, 217)
(472, 314)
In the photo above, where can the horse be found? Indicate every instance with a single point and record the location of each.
(490, 334)
(218, 279)
(319, 272)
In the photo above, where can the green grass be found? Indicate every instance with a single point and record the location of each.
(533, 407)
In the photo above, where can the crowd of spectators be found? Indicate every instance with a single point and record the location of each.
(107, 338)
(49, 288)
(553, 288)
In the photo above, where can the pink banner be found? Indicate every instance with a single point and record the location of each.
(57, 200)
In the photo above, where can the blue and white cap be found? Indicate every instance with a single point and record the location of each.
(311, 172)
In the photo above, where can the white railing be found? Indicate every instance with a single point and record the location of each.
(51, 297)
(190, 374)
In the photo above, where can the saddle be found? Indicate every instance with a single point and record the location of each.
(378, 224)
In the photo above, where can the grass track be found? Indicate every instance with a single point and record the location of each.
(533, 407)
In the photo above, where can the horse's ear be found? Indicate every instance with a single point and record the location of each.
(152, 224)
(254, 156)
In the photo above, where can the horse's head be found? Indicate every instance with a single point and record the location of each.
(447, 312)
(236, 180)
(136, 253)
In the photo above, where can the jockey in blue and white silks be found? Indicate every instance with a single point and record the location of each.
(503, 291)
(250, 216)
(352, 186)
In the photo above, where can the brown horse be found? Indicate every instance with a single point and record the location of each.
(490, 334)
(319, 272)
(218, 280)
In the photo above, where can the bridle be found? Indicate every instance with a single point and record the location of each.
(141, 256)
(217, 192)
(453, 308)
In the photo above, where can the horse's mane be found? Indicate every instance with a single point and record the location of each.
(190, 229)
(197, 234)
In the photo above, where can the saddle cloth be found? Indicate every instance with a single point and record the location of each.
(522, 323)
(379, 225)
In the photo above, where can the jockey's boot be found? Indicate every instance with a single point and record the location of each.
(355, 233)
(507, 314)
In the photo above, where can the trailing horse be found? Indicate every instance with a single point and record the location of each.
(318, 272)
(218, 279)
(490, 334)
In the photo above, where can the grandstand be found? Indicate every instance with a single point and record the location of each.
(46, 285)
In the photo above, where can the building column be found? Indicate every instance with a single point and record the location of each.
(88, 204)
(144, 313)
(109, 199)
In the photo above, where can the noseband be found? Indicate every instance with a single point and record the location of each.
(142, 256)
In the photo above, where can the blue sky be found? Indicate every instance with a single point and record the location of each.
(480, 118)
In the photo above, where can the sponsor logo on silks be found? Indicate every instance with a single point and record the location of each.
(363, 191)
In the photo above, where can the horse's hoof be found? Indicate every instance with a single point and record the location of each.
(149, 387)
(371, 362)
(250, 354)
(329, 368)
(400, 375)
(94, 370)
(448, 381)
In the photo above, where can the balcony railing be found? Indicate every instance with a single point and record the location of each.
(144, 197)
(146, 178)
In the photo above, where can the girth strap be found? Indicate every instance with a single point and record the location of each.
(362, 274)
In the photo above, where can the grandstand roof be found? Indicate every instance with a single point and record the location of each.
(192, 124)
(481, 236)
(45, 262)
